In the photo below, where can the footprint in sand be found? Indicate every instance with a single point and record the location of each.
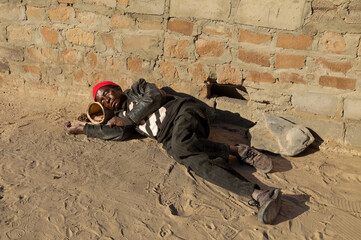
(220, 231)
(165, 231)
(15, 233)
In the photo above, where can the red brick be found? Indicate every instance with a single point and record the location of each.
(343, 67)
(107, 3)
(61, 13)
(176, 48)
(205, 48)
(124, 83)
(80, 77)
(92, 59)
(33, 69)
(256, 38)
(34, 12)
(108, 39)
(332, 42)
(168, 70)
(217, 31)
(136, 42)
(205, 91)
(150, 25)
(19, 33)
(260, 77)
(114, 64)
(198, 72)
(50, 36)
(180, 26)
(69, 56)
(80, 37)
(181, 86)
(291, 78)
(120, 21)
(227, 74)
(47, 55)
(248, 56)
(338, 82)
(290, 61)
(135, 64)
(300, 42)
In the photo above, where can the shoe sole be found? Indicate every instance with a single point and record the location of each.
(266, 170)
(270, 209)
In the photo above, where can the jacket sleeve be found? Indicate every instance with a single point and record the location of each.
(148, 97)
(105, 132)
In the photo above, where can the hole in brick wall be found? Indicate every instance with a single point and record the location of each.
(227, 90)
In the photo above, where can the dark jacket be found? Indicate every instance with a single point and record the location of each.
(147, 98)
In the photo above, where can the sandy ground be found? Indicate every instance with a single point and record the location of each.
(56, 186)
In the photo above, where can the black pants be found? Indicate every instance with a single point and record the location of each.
(187, 143)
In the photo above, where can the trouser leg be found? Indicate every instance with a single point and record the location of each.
(188, 144)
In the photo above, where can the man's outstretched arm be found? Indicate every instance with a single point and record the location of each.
(115, 133)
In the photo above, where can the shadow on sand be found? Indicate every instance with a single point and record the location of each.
(292, 207)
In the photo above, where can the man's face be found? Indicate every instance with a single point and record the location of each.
(110, 97)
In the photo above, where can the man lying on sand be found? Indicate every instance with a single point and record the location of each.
(182, 126)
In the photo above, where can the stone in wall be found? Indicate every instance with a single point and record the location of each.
(4, 67)
(40, 3)
(352, 108)
(317, 103)
(107, 3)
(280, 14)
(136, 42)
(12, 53)
(147, 6)
(211, 9)
(93, 21)
(10, 13)
(19, 34)
(354, 12)
(80, 37)
(323, 10)
(353, 135)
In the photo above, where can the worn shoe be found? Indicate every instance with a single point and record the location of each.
(254, 158)
(269, 205)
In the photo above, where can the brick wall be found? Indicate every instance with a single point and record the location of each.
(299, 59)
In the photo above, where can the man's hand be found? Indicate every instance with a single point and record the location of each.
(76, 129)
(115, 121)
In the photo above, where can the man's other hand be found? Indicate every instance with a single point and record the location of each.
(76, 129)
(115, 121)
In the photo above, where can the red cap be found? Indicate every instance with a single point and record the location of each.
(102, 84)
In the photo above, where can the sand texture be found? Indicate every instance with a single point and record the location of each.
(58, 186)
